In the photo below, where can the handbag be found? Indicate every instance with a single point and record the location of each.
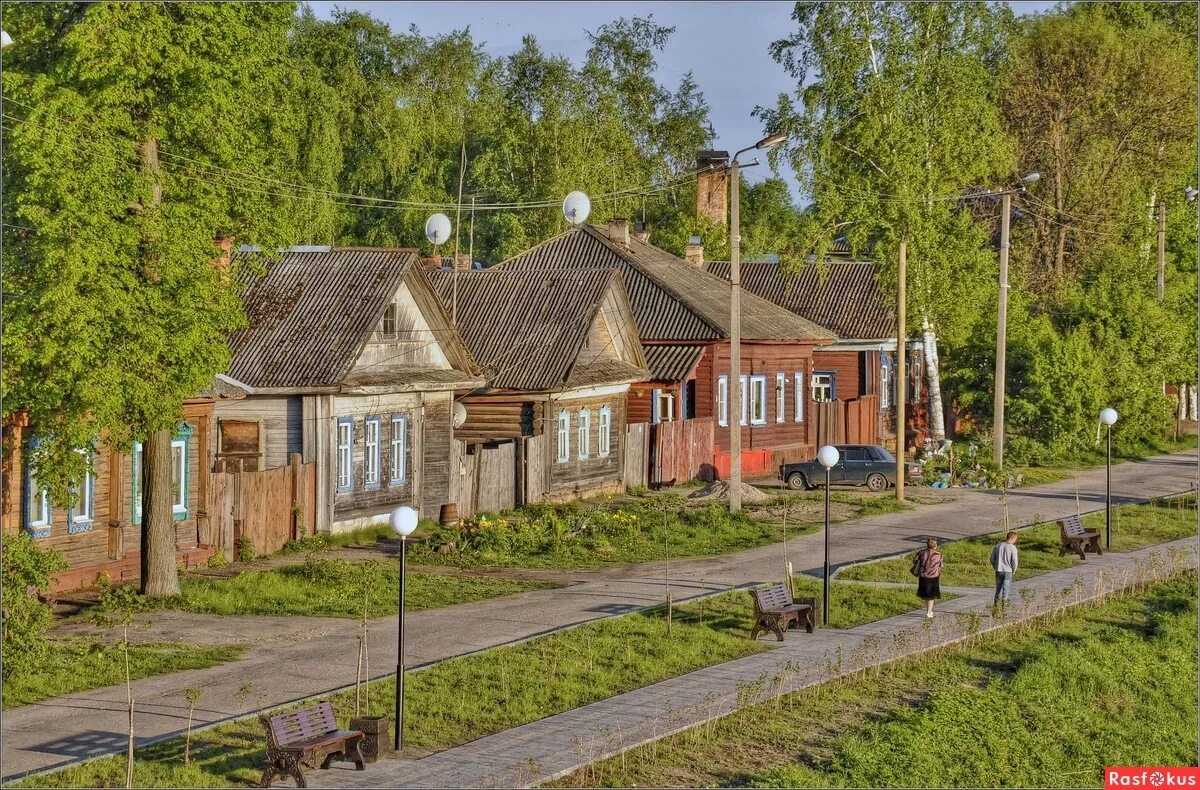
(915, 569)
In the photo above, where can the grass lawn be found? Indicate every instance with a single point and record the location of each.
(79, 665)
(966, 561)
(644, 529)
(1113, 684)
(333, 588)
(465, 698)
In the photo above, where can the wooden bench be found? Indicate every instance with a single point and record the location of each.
(305, 737)
(1076, 539)
(775, 610)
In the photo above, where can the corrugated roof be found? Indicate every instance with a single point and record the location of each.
(671, 299)
(842, 296)
(525, 328)
(671, 362)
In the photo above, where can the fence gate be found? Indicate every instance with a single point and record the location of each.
(267, 508)
(682, 450)
(637, 454)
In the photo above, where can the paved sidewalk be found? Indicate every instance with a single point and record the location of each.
(553, 747)
(290, 659)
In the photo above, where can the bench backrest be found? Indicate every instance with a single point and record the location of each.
(1072, 527)
(773, 597)
(300, 725)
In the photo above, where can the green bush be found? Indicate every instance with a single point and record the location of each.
(245, 550)
(27, 571)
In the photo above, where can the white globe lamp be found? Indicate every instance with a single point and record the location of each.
(1108, 416)
(828, 456)
(403, 521)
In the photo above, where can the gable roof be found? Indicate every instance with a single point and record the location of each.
(671, 299)
(670, 362)
(310, 314)
(842, 296)
(526, 328)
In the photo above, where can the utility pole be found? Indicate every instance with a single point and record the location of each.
(1001, 334)
(1162, 248)
(901, 369)
(735, 339)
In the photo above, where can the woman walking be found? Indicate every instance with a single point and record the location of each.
(927, 567)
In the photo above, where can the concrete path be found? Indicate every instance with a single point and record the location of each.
(290, 659)
(556, 746)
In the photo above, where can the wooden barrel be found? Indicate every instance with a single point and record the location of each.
(450, 513)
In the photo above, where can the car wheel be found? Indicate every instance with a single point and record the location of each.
(796, 482)
(876, 482)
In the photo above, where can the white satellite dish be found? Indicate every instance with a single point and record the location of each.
(460, 414)
(576, 207)
(437, 228)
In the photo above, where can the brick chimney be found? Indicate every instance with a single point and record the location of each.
(432, 261)
(642, 233)
(618, 230)
(462, 262)
(694, 252)
(712, 186)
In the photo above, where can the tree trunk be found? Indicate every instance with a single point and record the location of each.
(1191, 402)
(160, 578)
(1181, 400)
(937, 420)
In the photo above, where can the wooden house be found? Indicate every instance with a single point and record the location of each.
(683, 319)
(559, 350)
(858, 368)
(351, 363)
(100, 535)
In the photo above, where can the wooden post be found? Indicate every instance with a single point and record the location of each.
(294, 462)
(735, 341)
(237, 504)
(901, 369)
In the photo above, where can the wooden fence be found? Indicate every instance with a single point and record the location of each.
(637, 455)
(483, 479)
(854, 421)
(682, 450)
(266, 508)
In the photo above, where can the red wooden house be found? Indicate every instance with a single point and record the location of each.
(683, 319)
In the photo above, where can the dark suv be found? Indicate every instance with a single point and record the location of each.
(858, 465)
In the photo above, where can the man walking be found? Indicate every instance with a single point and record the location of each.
(1004, 560)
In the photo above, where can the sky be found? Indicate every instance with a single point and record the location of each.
(723, 44)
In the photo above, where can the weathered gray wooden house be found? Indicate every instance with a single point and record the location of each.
(559, 351)
(352, 363)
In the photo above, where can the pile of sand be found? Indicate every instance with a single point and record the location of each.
(719, 489)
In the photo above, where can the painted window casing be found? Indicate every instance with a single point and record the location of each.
(604, 440)
(180, 454)
(345, 454)
(372, 452)
(662, 406)
(745, 400)
(824, 386)
(387, 325)
(37, 503)
(885, 382)
(758, 400)
(399, 450)
(564, 436)
(798, 390)
(585, 433)
(82, 514)
(722, 400)
(780, 397)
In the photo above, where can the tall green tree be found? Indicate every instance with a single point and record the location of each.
(894, 113)
(137, 134)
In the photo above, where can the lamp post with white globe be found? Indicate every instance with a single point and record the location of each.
(1108, 417)
(403, 521)
(828, 457)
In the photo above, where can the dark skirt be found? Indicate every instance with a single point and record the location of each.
(928, 589)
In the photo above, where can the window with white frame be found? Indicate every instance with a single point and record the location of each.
(564, 436)
(662, 406)
(585, 432)
(780, 396)
(399, 446)
(798, 389)
(604, 440)
(387, 325)
(745, 399)
(372, 452)
(823, 386)
(345, 454)
(136, 477)
(38, 499)
(179, 476)
(83, 511)
(758, 400)
(722, 400)
(885, 383)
